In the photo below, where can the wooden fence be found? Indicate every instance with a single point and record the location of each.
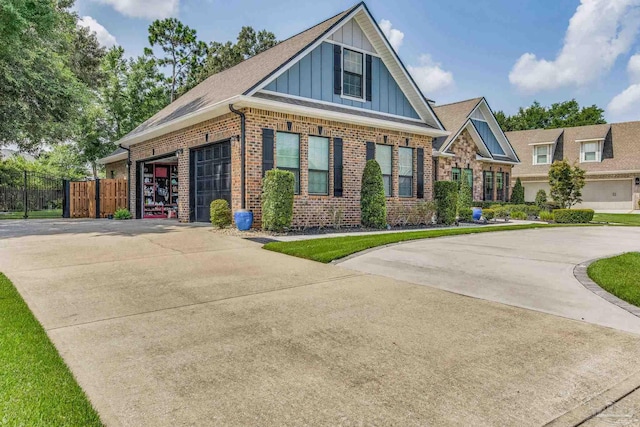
(100, 198)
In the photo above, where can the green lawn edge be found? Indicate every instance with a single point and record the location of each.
(330, 249)
(36, 386)
(621, 219)
(619, 275)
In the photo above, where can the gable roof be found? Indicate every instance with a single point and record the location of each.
(454, 116)
(586, 132)
(115, 156)
(237, 83)
(521, 138)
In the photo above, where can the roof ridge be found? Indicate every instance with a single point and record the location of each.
(459, 102)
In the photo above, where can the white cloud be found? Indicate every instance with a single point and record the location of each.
(430, 76)
(598, 33)
(626, 104)
(105, 38)
(394, 35)
(149, 9)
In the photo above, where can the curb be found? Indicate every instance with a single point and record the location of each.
(580, 273)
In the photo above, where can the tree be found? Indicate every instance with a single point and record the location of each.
(560, 114)
(373, 203)
(566, 183)
(95, 136)
(86, 57)
(183, 53)
(517, 195)
(465, 199)
(221, 56)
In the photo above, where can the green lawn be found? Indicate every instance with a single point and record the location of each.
(54, 213)
(619, 275)
(332, 248)
(36, 387)
(625, 219)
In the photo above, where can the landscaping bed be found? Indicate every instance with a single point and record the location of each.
(36, 387)
(619, 275)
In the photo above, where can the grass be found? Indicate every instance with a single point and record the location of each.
(36, 387)
(625, 219)
(53, 213)
(619, 275)
(329, 249)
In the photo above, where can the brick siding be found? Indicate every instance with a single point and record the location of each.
(116, 169)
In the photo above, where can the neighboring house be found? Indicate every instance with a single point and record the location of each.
(318, 104)
(609, 153)
(477, 150)
(115, 164)
(7, 153)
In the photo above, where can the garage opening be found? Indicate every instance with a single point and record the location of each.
(159, 188)
(210, 178)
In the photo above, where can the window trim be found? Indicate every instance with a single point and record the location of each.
(309, 170)
(459, 180)
(484, 185)
(499, 197)
(598, 151)
(389, 175)
(405, 176)
(535, 154)
(470, 171)
(363, 75)
(297, 193)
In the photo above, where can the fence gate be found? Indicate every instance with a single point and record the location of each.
(96, 199)
(30, 194)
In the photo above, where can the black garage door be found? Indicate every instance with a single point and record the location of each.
(211, 178)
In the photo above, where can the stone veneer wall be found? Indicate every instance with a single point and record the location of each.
(465, 151)
(309, 210)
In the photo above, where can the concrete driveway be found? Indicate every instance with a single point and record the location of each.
(167, 325)
(531, 268)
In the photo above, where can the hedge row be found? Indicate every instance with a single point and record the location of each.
(573, 216)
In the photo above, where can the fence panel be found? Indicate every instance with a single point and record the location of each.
(30, 194)
(113, 196)
(102, 198)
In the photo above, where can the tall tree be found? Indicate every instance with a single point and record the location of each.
(566, 183)
(183, 53)
(221, 56)
(95, 136)
(560, 114)
(144, 93)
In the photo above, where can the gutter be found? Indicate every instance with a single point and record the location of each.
(242, 155)
(128, 176)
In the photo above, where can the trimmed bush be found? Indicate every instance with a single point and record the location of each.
(488, 214)
(541, 198)
(425, 210)
(532, 211)
(501, 212)
(517, 195)
(122, 213)
(465, 215)
(546, 216)
(573, 216)
(465, 198)
(220, 213)
(373, 209)
(518, 215)
(446, 196)
(277, 199)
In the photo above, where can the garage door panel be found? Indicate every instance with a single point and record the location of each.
(212, 177)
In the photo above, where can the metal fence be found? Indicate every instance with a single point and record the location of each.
(31, 194)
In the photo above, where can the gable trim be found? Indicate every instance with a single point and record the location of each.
(513, 151)
(351, 47)
(464, 125)
(484, 144)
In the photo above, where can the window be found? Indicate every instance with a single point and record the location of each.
(507, 187)
(456, 174)
(405, 164)
(288, 155)
(383, 157)
(488, 185)
(468, 174)
(500, 186)
(541, 154)
(590, 151)
(318, 165)
(352, 76)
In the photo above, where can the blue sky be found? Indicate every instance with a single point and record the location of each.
(511, 52)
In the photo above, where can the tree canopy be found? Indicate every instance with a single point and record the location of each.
(558, 115)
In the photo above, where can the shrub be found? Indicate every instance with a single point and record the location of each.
(122, 213)
(573, 216)
(465, 215)
(424, 211)
(532, 211)
(517, 195)
(465, 198)
(541, 198)
(488, 214)
(546, 216)
(336, 217)
(518, 215)
(372, 199)
(551, 205)
(446, 196)
(277, 199)
(220, 213)
(501, 212)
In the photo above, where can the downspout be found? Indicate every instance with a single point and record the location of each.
(242, 154)
(129, 176)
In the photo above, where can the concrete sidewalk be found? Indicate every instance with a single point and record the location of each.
(166, 325)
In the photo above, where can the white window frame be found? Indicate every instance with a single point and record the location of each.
(535, 154)
(364, 75)
(598, 151)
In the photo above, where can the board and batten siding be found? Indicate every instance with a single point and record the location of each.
(312, 77)
(352, 35)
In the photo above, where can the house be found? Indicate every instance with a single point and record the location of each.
(476, 150)
(115, 164)
(318, 104)
(609, 153)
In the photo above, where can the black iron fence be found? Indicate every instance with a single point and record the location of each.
(31, 194)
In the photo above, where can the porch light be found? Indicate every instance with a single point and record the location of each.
(179, 152)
